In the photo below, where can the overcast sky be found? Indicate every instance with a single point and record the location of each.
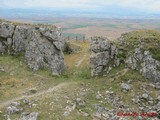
(143, 5)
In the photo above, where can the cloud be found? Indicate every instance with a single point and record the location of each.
(146, 5)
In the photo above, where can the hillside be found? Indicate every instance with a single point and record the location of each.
(75, 94)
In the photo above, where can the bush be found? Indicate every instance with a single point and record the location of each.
(67, 48)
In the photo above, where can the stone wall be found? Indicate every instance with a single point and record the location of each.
(41, 44)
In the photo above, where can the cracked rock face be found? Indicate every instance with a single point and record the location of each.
(41, 44)
(103, 56)
(145, 63)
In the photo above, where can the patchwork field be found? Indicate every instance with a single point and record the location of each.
(88, 27)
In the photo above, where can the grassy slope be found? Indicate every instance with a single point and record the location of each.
(149, 38)
(19, 78)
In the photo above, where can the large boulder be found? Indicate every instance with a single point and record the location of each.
(103, 56)
(41, 44)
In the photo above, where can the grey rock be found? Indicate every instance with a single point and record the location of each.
(6, 30)
(29, 116)
(80, 102)
(103, 56)
(158, 98)
(66, 113)
(145, 96)
(69, 108)
(41, 45)
(85, 114)
(125, 87)
(145, 64)
(157, 86)
(2, 48)
(131, 62)
(12, 109)
(130, 81)
(9, 42)
(2, 69)
(138, 54)
(16, 104)
(150, 102)
(98, 97)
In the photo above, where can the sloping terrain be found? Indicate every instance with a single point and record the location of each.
(76, 95)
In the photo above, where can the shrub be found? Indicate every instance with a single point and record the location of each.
(67, 48)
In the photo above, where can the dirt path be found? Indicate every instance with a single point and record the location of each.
(121, 73)
(55, 88)
(81, 60)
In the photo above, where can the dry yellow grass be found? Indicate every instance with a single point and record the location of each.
(72, 59)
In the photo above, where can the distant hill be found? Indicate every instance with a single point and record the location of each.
(111, 12)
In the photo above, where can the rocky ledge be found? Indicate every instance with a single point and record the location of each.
(41, 44)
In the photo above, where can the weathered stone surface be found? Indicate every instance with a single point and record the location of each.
(2, 69)
(41, 44)
(125, 87)
(12, 109)
(103, 56)
(22, 36)
(29, 116)
(6, 30)
(2, 47)
(145, 63)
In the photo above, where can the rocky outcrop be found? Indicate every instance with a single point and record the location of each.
(41, 44)
(145, 63)
(103, 56)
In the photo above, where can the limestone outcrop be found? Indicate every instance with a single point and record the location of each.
(142, 53)
(103, 56)
(145, 64)
(41, 44)
(138, 50)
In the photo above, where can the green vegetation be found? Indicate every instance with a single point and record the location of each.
(145, 39)
(110, 25)
(18, 78)
(67, 48)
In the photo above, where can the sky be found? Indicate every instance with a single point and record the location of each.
(148, 6)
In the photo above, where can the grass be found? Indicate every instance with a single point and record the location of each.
(52, 105)
(144, 39)
(18, 77)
